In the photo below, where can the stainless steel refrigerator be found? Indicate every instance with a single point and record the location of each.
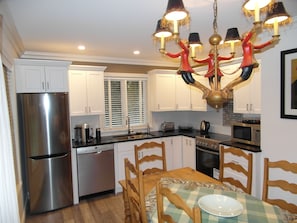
(45, 141)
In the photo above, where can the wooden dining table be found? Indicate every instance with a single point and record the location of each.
(192, 185)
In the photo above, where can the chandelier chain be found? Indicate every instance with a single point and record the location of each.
(215, 12)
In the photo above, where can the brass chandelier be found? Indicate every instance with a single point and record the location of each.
(176, 15)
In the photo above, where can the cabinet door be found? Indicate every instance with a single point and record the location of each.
(30, 79)
(173, 152)
(182, 94)
(122, 151)
(56, 79)
(189, 152)
(77, 93)
(197, 102)
(247, 95)
(95, 92)
(164, 95)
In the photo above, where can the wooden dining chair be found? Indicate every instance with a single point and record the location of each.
(164, 192)
(279, 182)
(232, 170)
(135, 191)
(150, 157)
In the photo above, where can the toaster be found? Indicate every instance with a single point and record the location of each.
(167, 126)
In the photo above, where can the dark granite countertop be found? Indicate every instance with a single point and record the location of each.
(154, 134)
(255, 149)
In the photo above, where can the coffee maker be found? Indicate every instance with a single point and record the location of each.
(85, 132)
(77, 134)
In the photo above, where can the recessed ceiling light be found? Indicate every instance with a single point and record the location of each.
(81, 47)
(136, 52)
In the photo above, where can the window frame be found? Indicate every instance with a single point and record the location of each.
(124, 77)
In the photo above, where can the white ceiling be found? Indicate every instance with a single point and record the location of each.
(113, 29)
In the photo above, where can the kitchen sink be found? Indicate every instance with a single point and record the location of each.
(138, 135)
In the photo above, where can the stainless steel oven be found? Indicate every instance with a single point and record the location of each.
(207, 161)
(207, 153)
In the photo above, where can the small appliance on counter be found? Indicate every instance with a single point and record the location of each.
(167, 127)
(77, 134)
(85, 132)
(204, 127)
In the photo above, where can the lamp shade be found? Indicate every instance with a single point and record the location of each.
(277, 13)
(232, 35)
(175, 10)
(194, 39)
(254, 4)
(162, 30)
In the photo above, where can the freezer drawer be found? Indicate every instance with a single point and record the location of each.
(50, 183)
(95, 170)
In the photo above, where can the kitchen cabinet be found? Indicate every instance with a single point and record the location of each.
(173, 147)
(257, 178)
(86, 92)
(247, 95)
(182, 94)
(188, 152)
(38, 76)
(162, 90)
(169, 92)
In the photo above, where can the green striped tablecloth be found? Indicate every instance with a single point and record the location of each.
(254, 210)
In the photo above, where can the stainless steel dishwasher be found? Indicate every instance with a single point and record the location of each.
(95, 166)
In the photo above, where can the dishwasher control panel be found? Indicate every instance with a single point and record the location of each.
(94, 149)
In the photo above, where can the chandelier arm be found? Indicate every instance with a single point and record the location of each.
(200, 86)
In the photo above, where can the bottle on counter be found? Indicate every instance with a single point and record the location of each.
(98, 134)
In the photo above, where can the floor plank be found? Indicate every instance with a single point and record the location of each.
(106, 208)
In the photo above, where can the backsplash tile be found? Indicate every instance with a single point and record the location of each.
(228, 115)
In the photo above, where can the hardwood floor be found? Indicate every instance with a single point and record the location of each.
(108, 208)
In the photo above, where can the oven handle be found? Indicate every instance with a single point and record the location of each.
(207, 151)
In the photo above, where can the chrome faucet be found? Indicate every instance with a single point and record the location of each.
(128, 123)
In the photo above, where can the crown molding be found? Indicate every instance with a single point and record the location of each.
(95, 59)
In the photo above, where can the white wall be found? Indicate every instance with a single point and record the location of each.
(278, 136)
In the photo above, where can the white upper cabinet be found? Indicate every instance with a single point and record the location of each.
(182, 94)
(169, 92)
(247, 95)
(37, 76)
(162, 91)
(86, 92)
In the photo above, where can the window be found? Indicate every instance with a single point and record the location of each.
(123, 98)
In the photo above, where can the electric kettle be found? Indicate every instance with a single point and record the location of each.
(204, 127)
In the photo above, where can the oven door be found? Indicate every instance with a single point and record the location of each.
(207, 161)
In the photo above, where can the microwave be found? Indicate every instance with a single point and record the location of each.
(247, 133)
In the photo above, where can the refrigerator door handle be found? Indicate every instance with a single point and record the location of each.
(49, 157)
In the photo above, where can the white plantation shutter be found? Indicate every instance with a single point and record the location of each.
(135, 101)
(124, 98)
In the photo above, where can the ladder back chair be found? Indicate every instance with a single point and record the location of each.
(279, 182)
(246, 171)
(150, 157)
(164, 192)
(135, 191)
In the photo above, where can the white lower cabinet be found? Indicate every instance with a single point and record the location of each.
(256, 180)
(173, 147)
(188, 152)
